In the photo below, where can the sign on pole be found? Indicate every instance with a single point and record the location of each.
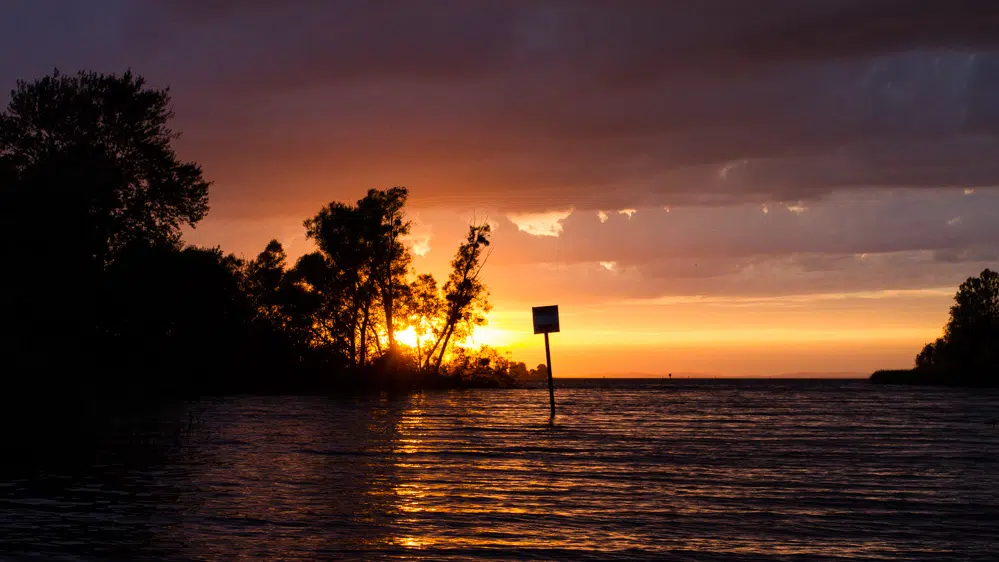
(545, 322)
(545, 319)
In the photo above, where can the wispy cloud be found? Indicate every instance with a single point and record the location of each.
(541, 224)
(420, 234)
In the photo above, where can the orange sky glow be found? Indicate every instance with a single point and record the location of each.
(714, 189)
(828, 333)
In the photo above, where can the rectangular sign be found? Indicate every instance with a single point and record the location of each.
(545, 319)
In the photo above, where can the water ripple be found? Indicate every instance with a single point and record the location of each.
(710, 470)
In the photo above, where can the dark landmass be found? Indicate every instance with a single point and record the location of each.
(968, 352)
(107, 310)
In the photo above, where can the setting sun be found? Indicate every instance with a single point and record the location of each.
(489, 336)
(481, 336)
(407, 337)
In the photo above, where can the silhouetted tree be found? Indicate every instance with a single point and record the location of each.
(100, 145)
(518, 370)
(324, 302)
(86, 170)
(465, 295)
(424, 310)
(180, 316)
(264, 281)
(969, 348)
(103, 293)
(974, 318)
(483, 366)
(931, 353)
(541, 371)
(340, 272)
(185, 321)
(386, 224)
(364, 264)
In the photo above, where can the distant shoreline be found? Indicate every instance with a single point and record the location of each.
(819, 375)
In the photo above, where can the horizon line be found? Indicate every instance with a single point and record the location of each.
(848, 375)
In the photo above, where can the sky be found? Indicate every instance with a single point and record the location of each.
(713, 187)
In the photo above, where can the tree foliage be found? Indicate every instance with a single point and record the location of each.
(969, 348)
(361, 263)
(360, 272)
(96, 149)
(465, 295)
(423, 310)
(109, 298)
(86, 171)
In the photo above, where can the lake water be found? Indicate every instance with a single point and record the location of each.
(681, 470)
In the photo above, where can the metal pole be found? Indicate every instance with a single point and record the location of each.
(551, 386)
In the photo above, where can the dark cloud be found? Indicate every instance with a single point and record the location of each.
(641, 39)
(535, 105)
(858, 28)
(846, 224)
(761, 277)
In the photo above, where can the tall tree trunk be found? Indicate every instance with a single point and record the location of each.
(364, 338)
(373, 328)
(352, 343)
(354, 317)
(387, 299)
(433, 349)
(447, 338)
(419, 351)
(387, 295)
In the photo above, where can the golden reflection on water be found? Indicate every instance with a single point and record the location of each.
(487, 490)
(454, 473)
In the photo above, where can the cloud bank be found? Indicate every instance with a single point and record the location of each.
(712, 146)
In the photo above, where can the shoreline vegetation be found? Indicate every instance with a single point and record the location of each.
(107, 305)
(967, 354)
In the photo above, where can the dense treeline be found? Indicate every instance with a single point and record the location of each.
(100, 295)
(968, 351)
